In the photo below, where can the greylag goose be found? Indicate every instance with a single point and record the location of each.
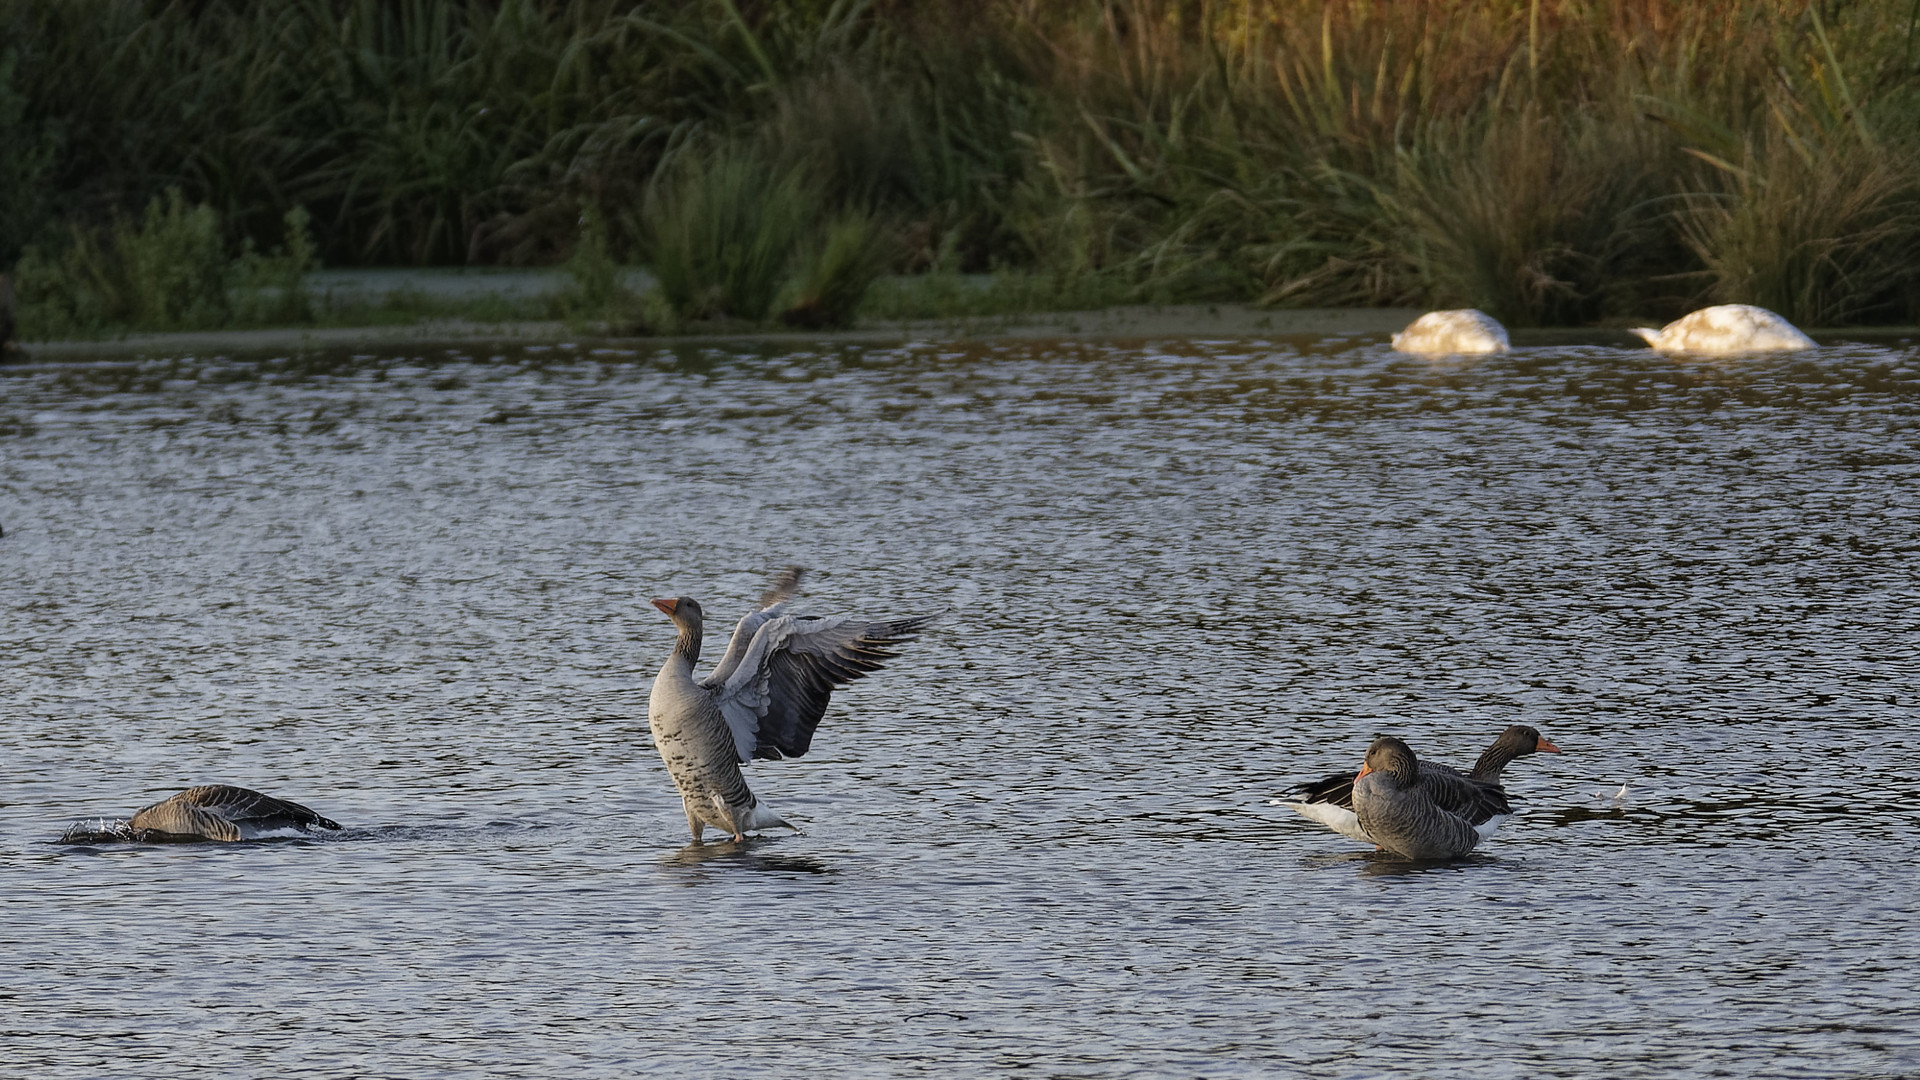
(762, 700)
(1449, 333)
(1330, 801)
(219, 812)
(1726, 330)
(1397, 808)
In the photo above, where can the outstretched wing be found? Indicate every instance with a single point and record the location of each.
(775, 693)
(1335, 790)
(245, 804)
(772, 604)
(783, 587)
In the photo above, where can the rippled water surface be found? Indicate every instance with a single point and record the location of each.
(411, 592)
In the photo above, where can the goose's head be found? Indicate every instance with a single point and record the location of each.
(1394, 758)
(1522, 740)
(685, 613)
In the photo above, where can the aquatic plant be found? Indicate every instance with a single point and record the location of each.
(170, 269)
(835, 271)
(1553, 160)
(721, 228)
(595, 287)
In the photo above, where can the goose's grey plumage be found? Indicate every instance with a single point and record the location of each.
(1330, 800)
(1396, 806)
(220, 812)
(762, 700)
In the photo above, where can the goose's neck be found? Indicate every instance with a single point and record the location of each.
(686, 653)
(1496, 759)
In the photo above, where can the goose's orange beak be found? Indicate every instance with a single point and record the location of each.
(1364, 770)
(1546, 747)
(667, 606)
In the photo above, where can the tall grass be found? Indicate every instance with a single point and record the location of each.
(1538, 224)
(1557, 161)
(722, 230)
(835, 270)
(1823, 237)
(170, 269)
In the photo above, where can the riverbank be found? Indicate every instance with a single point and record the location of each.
(397, 309)
(1197, 321)
(1213, 321)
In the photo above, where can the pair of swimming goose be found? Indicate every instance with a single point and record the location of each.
(1420, 809)
(1722, 330)
(762, 700)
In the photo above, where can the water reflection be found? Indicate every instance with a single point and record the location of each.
(1378, 863)
(751, 853)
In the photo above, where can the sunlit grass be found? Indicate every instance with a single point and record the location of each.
(1555, 161)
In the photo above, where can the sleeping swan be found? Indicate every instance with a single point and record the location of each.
(1450, 333)
(1726, 330)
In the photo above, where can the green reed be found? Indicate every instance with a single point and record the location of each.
(1555, 161)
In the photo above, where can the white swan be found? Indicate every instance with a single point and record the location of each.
(1726, 330)
(1450, 333)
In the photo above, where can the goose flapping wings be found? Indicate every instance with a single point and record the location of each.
(763, 700)
(779, 670)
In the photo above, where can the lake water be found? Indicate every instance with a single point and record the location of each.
(411, 592)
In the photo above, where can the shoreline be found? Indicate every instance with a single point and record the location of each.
(1131, 322)
(1134, 322)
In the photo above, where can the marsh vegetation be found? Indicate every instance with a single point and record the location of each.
(1554, 162)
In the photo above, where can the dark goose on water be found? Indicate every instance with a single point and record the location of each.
(220, 812)
(762, 700)
(1330, 801)
(1398, 810)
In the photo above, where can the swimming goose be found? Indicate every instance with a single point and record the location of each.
(1330, 801)
(762, 700)
(1726, 330)
(219, 812)
(1397, 808)
(1450, 333)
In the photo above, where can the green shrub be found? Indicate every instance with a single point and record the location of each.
(835, 272)
(722, 228)
(1532, 219)
(593, 278)
(272, 288)
(168, 271)
(1824, 235)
